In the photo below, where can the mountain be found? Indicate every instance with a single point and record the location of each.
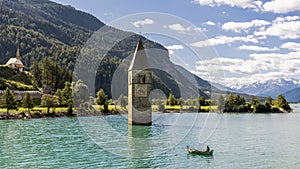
(224, 88)
(292, 95)
(271, 88)
(45, 29)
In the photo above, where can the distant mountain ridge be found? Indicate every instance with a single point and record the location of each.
(272, 87)
(292, 95)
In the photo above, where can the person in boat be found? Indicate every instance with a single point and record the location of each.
(188, 148)
(207, 149)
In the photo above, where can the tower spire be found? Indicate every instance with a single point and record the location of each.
(18, 54)
(139, 60)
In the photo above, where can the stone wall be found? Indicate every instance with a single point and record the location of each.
(20, 94)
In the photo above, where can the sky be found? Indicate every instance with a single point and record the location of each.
(242, 40)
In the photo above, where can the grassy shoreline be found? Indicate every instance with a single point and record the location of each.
(41, 112)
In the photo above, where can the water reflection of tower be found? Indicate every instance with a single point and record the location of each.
(138, 141)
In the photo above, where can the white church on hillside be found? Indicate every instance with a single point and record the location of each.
(16, 62)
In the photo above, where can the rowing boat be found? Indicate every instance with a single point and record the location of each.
(199, 152)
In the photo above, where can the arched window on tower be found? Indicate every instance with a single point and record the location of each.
(142, 79)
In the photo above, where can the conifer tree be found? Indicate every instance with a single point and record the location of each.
(27, 102)
(171, 100)
(281, 102)
(8, 101)
(101, 97)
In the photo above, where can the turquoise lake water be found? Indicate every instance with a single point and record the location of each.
(238, 140)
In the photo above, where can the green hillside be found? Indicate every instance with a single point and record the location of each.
(43, 29)
(16, 80)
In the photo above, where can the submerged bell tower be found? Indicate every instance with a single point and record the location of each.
(139, 87)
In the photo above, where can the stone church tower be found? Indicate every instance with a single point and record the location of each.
(139, 87)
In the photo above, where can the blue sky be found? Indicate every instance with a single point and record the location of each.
(253, 39)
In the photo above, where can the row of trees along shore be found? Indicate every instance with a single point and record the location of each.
(61, 98)
(233, 103)
(64, 98)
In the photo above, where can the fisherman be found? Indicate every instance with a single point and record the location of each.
(207, 149)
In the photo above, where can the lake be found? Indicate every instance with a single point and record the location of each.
(238, 140)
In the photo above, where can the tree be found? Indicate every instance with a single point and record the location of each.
(36, 71)
(171, 100)
(59, 95)
(27, 102)
(254, 101)
(80, 93)
(230, 103)
(180, 102)
(49, 101)
(105, 107)
(66, 92)
(281, 102)
(101, 97)
(269, 101)
(235, 103)
(220, 103)
(48, 70)
(202, 101)
(8, 101)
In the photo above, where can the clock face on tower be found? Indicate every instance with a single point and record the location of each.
(140, 90)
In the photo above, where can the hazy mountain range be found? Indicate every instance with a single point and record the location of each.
(271, 88)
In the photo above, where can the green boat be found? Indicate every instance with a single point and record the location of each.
(199, 152)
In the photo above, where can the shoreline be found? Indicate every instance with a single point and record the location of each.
(27, 115)
(63, 114)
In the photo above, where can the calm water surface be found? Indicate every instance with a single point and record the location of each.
(239, 141)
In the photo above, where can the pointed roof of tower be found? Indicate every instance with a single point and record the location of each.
(139, 60)
(18, 54)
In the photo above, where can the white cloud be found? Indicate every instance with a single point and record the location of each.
(235, 70)
(282, 6)
(243, 26)
(291, 66)
(256, 48)
(259, 66)
(220, 40)
(285, 19)
(173, 48)
(209, 23)
(275, 6)
(232, 3)
(140, 23)
(276, 56)
(285, 28)
(293, 46)
(181, 29)
(236, 65)
(176, 27)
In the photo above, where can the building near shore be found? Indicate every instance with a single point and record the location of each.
(16, 62)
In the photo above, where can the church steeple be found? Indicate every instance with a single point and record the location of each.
(139, 88)
(18, 54)
(139, 60)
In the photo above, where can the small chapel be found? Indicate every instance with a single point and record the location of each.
(16, 62)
